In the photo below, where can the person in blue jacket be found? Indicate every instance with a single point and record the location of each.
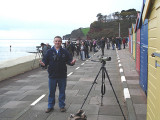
(56, 59)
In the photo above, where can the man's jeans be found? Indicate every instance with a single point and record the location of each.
(53, 82)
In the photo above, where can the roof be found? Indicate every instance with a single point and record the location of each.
(140, 21)
(138, 17)
(146, 9)
(141, 13)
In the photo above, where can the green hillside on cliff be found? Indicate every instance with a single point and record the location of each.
(85, 31)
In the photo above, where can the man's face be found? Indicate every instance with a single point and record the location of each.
(57, 42)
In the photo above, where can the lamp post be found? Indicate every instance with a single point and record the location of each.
(119, 30)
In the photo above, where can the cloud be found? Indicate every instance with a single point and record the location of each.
(46, 18)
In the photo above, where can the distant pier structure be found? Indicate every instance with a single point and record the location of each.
(10, 48)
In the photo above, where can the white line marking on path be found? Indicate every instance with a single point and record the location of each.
(77, 68)
(123, 78)
(70, 73)
(36, 101)
(119, 61)
(120, 70)
(120, 65)
(126, 93)
(82, 64)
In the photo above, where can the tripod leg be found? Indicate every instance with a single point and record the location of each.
(91, 88)
(114, 93)
(103, 88)
(39, 54)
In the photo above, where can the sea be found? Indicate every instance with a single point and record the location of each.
(12, 49)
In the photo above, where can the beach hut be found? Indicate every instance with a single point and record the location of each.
(137, 31)
(133, 40)
(152, 12)
(143, 52)
(144, 56)
(130, 35)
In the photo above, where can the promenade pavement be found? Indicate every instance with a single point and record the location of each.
(24, 97)
(138, 97)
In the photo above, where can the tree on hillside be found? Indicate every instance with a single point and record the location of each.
(96, 25)
(113, 15)
(128, 14)
(117, 15)
(100, 17)
(105, 18)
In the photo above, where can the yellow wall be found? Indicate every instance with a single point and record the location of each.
(133, 41)
(153, 99)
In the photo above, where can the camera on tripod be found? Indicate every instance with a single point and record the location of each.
(38, 47)
(105, 74)
(102, 58)
(38, 54)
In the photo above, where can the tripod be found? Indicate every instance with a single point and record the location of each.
(37, 54)
(103, 89)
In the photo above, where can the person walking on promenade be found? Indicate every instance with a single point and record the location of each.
(86, 44)
(82, 49)
(102, 44)
(69, 48)
(124, 43)
(120, 42)
(108, 43)
(56, 58)
(77, 49)
(94, 46)
(91, 45)
(72, 48)
(113, 43)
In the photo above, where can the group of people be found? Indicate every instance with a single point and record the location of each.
(118, 41)
(81, 48)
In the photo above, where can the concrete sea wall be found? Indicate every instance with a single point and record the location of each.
(17, 66)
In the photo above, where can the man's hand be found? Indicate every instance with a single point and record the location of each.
(41, 63)
(73, 62)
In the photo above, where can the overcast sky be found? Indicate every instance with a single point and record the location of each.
(44, 19)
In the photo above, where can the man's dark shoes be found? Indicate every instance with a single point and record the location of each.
(63, 109)
(49, 110)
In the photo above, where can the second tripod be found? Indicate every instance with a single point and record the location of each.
(38, 54)
(103, 88)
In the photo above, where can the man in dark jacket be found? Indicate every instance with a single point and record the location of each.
(56, 58)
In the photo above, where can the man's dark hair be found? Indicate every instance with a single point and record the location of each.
(58, 37)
